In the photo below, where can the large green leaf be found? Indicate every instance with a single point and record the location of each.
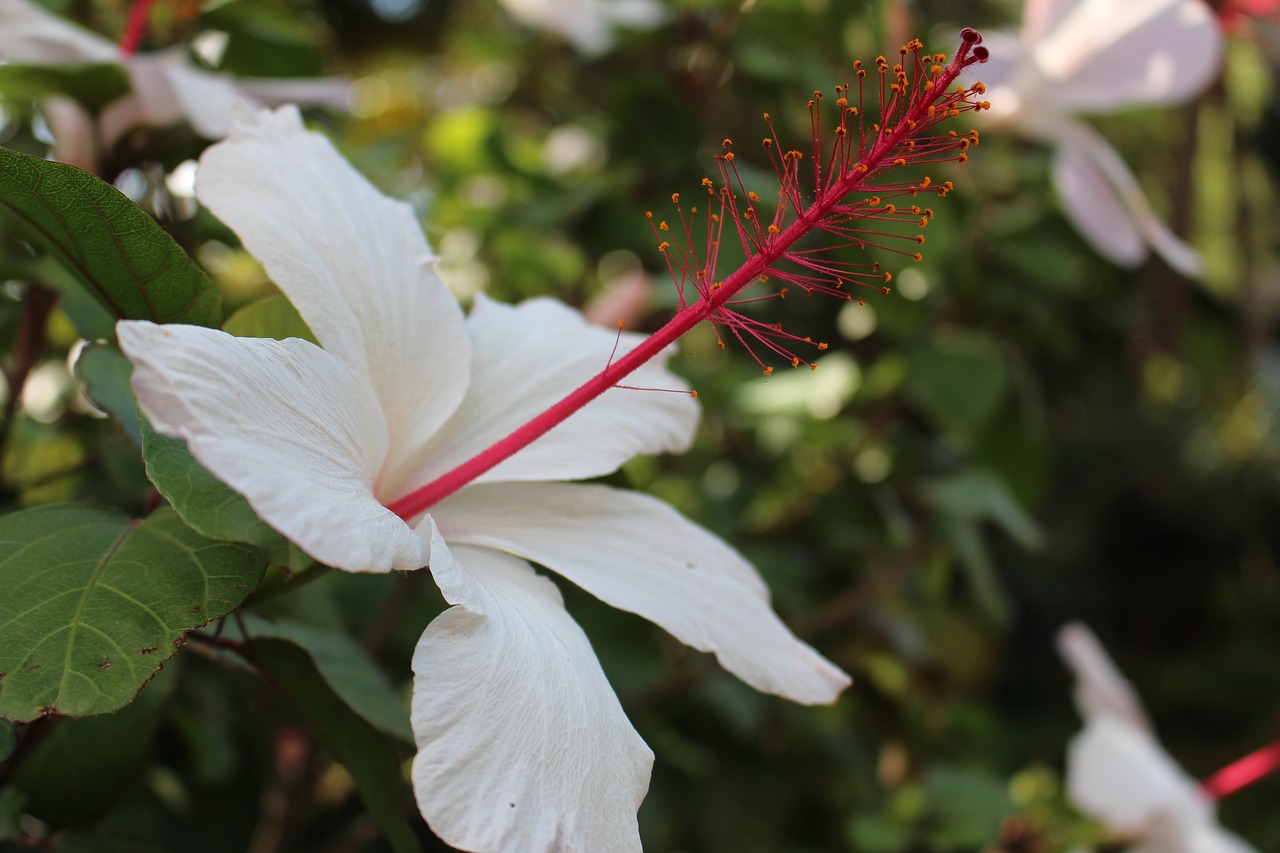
(366, 753)
(114, 249)
(93, 84)
(206, 503)
(94, 602)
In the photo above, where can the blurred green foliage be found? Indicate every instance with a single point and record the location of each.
(1018, 435)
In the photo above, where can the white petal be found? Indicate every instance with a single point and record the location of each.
(1100, 688)
(522, 745)
(1112, 54)
(638, 554)
(285, 424)
(74, 135)
(1118, 774)
(1040, 18)
(1093, 207)
(528, 357)
(28, 33)
(1100, 194)
(331, 92)
(206, 100)
(353, 262)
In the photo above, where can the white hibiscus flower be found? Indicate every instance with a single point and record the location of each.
(522, 744)
(166, 87)
(1119, 774)
(1076, 57)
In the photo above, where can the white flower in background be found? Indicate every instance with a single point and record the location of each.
(522, 743)
(587, 24)
(1118, 773)
(1098, 56)
(166, 87)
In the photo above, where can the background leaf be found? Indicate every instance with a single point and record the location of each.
(92, 84)
(115, 250)
(365, 752)
(95, 602)
(105, 372)
(273, 317)
(347, 669)
(76, 772)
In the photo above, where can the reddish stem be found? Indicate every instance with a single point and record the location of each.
(1244, 772)
(770, 253)
(135, 27)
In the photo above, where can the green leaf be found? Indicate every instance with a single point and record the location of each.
(76, 772)
(959, 382)
(366, 754)
(105, 373)
(114, 249)
(92, 84)
(273, 317)
(7, 739)
(980, 496)
(210, 506)
(94, 602)
(968, 805)
(347, 669)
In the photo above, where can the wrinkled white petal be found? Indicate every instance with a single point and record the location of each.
(522, 745)
(29, 34)
(1100, 688)
(1118, 774)
(285, 424)
(638, 554)
(1111, 54)
(1100, 194)
(530, 356)
(353, 262)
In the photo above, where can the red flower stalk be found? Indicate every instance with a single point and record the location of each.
(851, 197)
(1243, 772)
(135, 27)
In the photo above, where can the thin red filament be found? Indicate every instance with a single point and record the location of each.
(849, 188)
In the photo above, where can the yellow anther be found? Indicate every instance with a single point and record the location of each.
(822, 346)
(727, 142)
(675, 198)
(768, 371)
(662, 226)
(917, 257)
